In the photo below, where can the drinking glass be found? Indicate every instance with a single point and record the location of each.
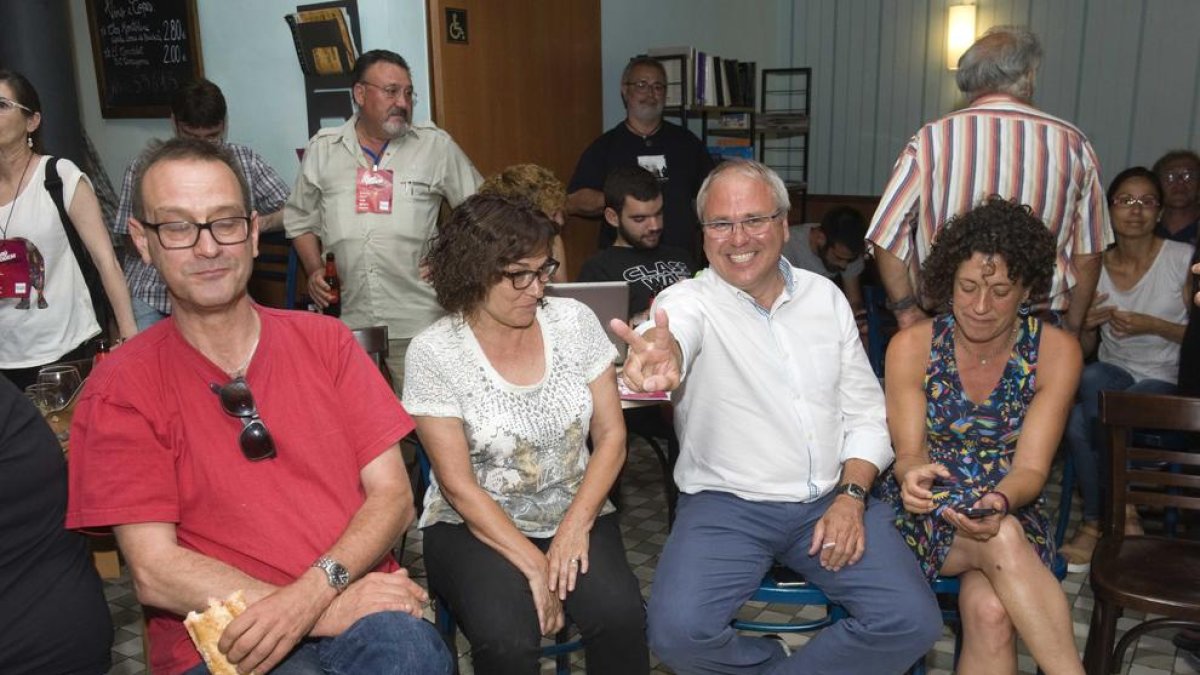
(42, 396)
(65, 381)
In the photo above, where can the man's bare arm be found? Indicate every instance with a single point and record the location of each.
(894, 273)
(586, 202)
(1087, 275)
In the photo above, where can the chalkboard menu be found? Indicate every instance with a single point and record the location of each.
(144, 50)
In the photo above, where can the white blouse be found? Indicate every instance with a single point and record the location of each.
(43, 334)
(527, 443)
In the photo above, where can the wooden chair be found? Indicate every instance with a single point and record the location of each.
(374, 341)
(1151, 574)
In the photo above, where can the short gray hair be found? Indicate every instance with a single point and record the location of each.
(648, 61)
(747, 168)
(1003, 61)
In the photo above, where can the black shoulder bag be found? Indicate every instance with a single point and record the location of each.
(91, 276)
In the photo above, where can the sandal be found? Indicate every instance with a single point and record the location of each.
(1078, 551)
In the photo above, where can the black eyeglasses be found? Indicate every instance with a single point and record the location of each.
(184, 233)
(237, 400)
(521, 280)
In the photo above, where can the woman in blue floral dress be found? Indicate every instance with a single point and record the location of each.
(977, 399)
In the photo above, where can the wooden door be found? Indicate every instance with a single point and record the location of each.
(526, 87)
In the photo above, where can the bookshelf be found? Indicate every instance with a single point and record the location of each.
(785, 105)
(716, 121)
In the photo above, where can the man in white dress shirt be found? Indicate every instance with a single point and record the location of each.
(782, 433)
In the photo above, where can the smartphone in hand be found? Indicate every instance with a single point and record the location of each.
(977, 513)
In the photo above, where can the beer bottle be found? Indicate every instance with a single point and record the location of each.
(334, 308)
(102, 350)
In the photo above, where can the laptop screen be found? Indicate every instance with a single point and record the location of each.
(608, 299)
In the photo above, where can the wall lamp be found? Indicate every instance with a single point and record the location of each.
(960, 32)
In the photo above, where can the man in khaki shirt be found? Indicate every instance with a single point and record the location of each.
(370, 192)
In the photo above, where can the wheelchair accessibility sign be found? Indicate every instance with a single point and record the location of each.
(456, 25)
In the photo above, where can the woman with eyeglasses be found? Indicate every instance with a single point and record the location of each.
(506, 391)
(1135, 326)
(47, 315)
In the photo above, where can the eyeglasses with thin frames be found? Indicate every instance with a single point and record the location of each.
(1127, 201)
(179, 234)
(393, 92)
(522, 279)
(7, 104)
(236, 400)
(754, 226)
(643, 85)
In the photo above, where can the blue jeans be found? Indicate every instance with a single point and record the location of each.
(145, 315)
(716, 556)
(385, 643)
(1086, 442)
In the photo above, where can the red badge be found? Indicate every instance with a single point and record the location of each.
(14, 269)
(373, 193)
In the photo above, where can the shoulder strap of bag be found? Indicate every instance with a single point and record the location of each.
(54, 185)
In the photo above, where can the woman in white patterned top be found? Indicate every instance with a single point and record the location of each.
(505, 390)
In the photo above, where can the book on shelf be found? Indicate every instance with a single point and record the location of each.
(783, 122)
(323, 42)
(722, 152)
(700, 79)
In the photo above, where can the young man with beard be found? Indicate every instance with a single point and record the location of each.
(633, 206)
(370, 192)
(672, 153)
(832, 248)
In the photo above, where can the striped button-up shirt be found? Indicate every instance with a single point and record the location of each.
(996, 146)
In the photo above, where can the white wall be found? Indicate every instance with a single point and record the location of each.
(247, 51)
(1127, 72)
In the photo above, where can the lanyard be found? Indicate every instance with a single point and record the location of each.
(375, 157)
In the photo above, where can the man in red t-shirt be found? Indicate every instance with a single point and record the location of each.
(235, 447)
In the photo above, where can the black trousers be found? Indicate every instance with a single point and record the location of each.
(492, 603)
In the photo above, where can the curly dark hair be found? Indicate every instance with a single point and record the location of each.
(996, 226)
(482, 236)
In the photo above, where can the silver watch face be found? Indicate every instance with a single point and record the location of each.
(338, 575)
(854, 490)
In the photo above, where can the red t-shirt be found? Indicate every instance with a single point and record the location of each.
(151, 443)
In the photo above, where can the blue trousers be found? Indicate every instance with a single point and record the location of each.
(1085, 441)
(716, 556)
(384, 643)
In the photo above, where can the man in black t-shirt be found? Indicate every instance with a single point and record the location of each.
(633, 206)
(673, 154)
(53, 617)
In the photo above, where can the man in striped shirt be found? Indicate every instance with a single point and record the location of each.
(999, 144)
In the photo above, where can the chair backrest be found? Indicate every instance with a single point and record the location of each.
(374, 341)
(1144, 482)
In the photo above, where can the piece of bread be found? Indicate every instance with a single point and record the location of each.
(206, 629)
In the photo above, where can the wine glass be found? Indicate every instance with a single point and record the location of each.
(65, 381)
(42, 396)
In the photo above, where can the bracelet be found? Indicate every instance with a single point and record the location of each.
(907, 302)
(1003, 496)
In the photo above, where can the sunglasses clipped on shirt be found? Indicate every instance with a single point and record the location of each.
(237, 401)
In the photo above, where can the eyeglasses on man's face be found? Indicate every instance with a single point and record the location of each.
(522, 279)
(642, 86)
(1127, 201)
(1181, 176)
(236, 400)
(393, 91)
(753, 226)
(179, 234)
(7, 104)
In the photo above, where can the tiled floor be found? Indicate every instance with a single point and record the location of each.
(645, 530)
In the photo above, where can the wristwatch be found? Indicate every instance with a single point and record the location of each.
(336, 573)
(854, 490)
